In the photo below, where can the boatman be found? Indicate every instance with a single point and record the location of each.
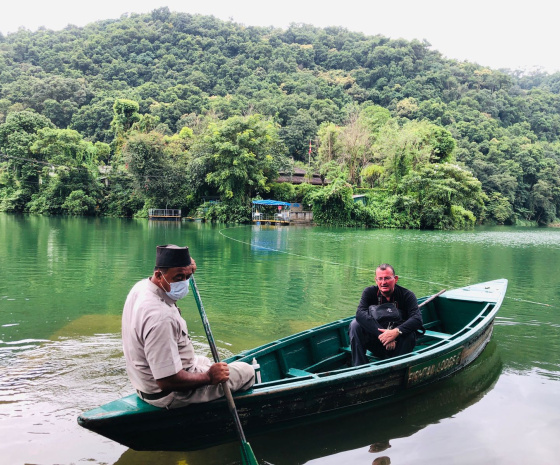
(366, 331)
(160, 358)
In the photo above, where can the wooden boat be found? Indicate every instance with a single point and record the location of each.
(307, 376)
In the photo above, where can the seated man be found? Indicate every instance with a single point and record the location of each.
(160, 358)
(367, 334)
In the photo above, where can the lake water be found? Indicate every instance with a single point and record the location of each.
(63, 282)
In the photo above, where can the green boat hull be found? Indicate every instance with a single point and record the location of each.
(307, 377)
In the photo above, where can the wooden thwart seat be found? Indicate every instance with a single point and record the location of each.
(437, 335)
(296, 372)
(432, 324)
(370, 356)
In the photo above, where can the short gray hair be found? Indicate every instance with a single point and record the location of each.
(386, 266)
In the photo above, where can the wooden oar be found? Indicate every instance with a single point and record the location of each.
(247, 455)
(429, 299)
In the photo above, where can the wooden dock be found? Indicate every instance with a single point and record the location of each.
(164, 214)
(276, 219)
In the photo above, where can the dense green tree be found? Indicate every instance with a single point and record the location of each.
(441, 196)
(375, 117)
(24, 124)
(79, 203)
(121, 199)
(355, 140)
(125, 114)
(158, 176)
(65, 147)
(371, 175)
(297, 134)
(94, 120)
(22, 173)
(63, 192)
(240, 155)
(412, 106)
(333, 205)
(328, 146)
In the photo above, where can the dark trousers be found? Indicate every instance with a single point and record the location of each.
(361, 340)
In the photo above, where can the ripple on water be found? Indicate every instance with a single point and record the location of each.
(72, 373)
(44, 386)
(45, 370)
(508, 237)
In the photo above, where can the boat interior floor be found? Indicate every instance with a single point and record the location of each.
(344, 359)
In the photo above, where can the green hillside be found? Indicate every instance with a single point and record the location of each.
(175, 109)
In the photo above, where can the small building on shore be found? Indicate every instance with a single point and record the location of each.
(164, 214)
(276, 212)
(270, 212)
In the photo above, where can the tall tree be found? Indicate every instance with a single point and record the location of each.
(441, 196)
(240, 155)
(355, 146)
(125, 114)
(22, 172)
(158, 177)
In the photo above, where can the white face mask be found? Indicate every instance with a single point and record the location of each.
(178, 290)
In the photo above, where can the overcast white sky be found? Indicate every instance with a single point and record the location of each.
(494, 33)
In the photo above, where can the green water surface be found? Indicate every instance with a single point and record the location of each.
(63, 282)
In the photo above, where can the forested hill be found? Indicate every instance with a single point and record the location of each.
(171, 78)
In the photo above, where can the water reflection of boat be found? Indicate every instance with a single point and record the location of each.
(405, 418)
(400, 419)
(307, 375)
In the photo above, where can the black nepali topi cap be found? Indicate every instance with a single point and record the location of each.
(172, 256)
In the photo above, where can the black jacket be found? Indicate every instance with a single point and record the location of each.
(405, 301)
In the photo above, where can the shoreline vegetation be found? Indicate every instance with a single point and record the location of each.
(172, 110)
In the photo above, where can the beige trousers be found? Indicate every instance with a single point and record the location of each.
(241, 378)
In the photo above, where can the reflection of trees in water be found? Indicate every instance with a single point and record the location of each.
(404, 418)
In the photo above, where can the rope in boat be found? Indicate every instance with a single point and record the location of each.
(371, 270)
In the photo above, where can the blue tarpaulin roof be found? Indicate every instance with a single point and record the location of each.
(271, 202)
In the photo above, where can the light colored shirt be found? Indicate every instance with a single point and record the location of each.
(156, 342)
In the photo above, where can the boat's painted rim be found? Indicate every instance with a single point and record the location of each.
(495, 293)
(493, 290)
